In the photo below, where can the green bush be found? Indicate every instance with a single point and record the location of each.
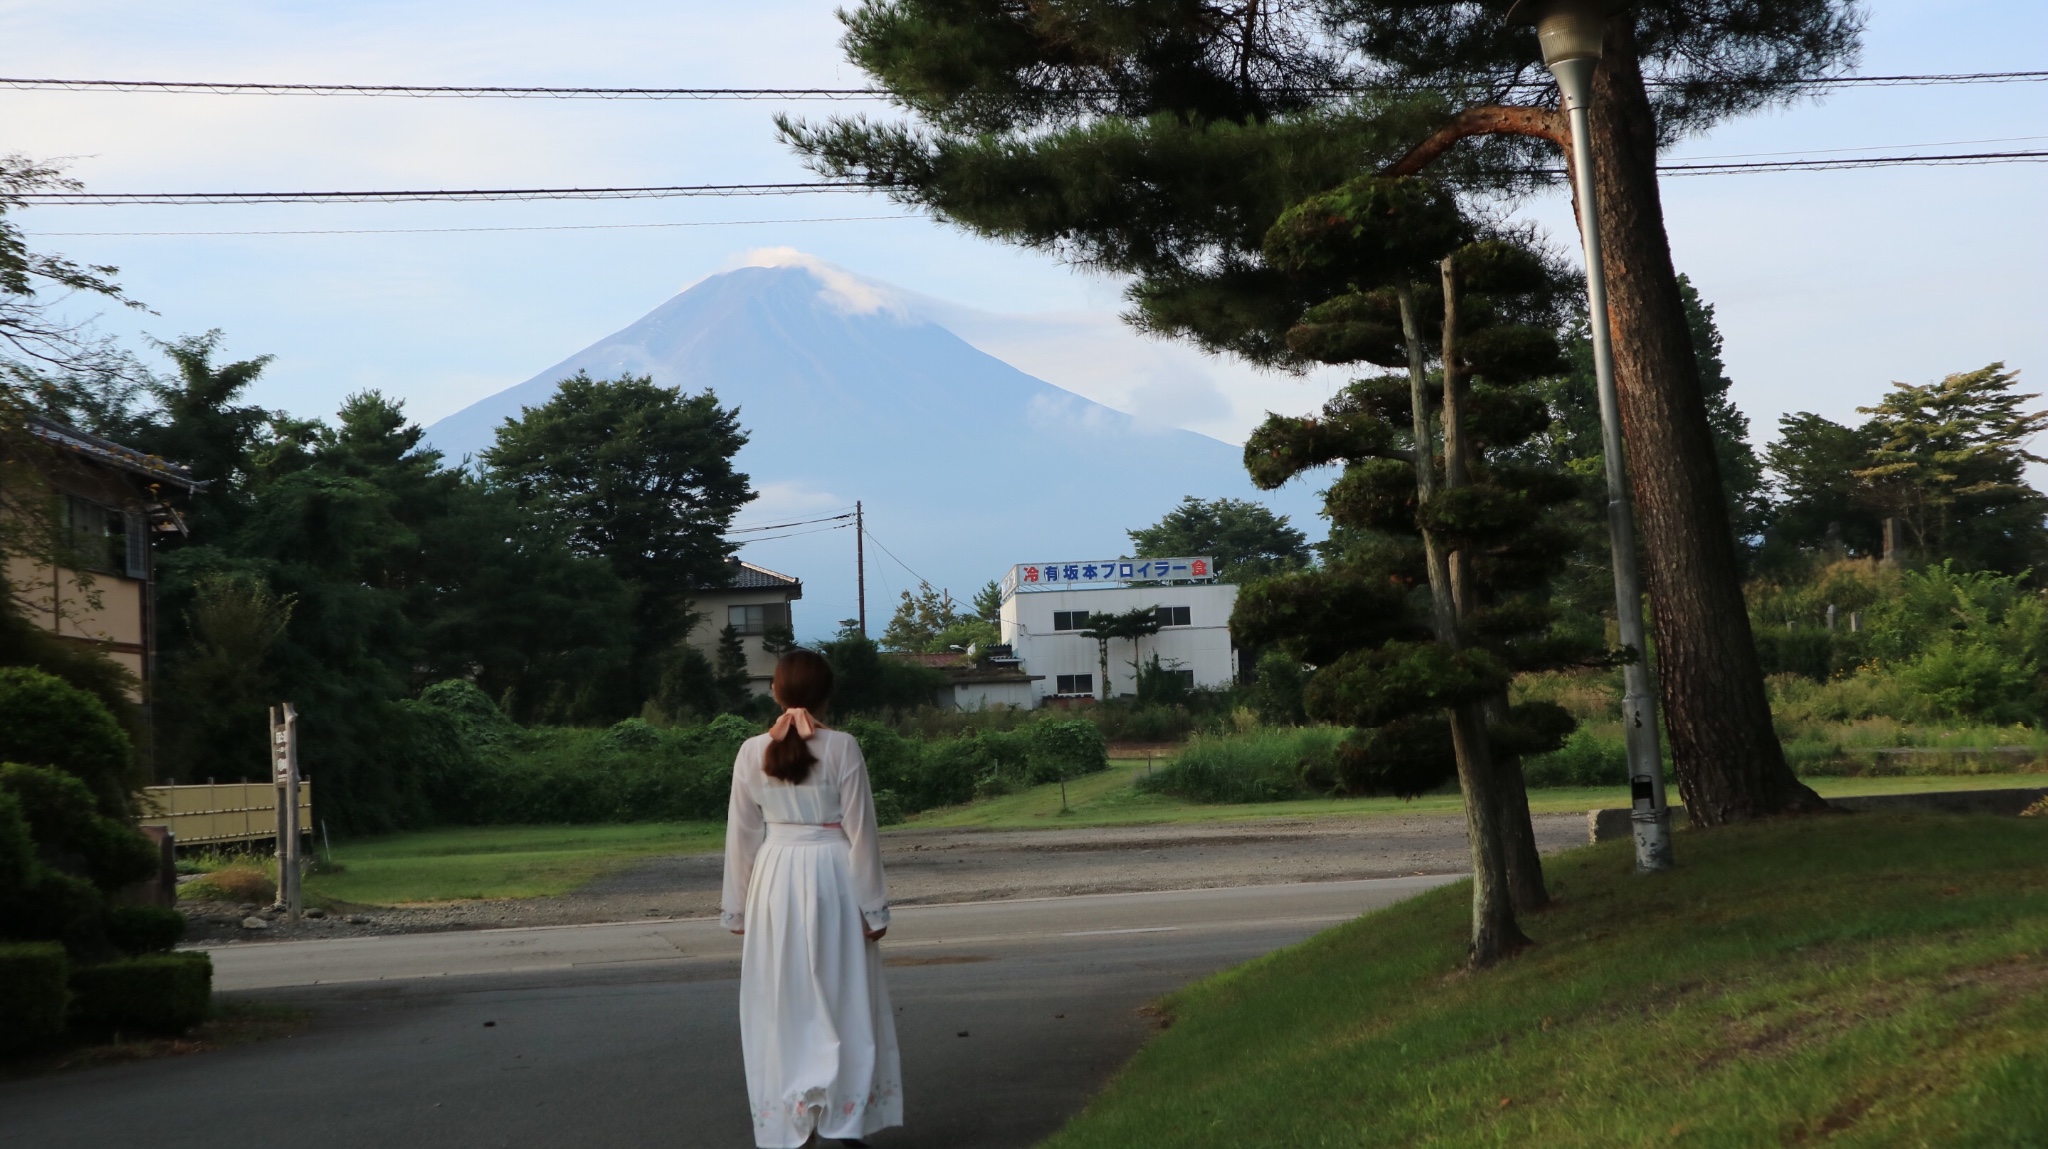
(1585, 759)
(1261, 766)
(46, 721)
(35, 995)
(162, 993)
(69, 832)
(58, 907)
(1065, 749)
(888, 808)
(17, 848)
(145, 929)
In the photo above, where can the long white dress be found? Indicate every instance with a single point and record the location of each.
(816, 1028)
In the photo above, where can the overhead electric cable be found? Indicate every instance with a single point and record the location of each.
(461, 230)
(783, 526)
(791, 535)
(899, 562)
(109, 199)
(540, 92)
(437, 195)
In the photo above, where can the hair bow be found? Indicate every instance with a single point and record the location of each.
(795, 718)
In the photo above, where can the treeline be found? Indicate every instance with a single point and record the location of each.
(344, 565)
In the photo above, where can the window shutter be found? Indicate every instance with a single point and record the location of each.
(138, 543)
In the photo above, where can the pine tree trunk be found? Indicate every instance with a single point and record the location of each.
(1524, 868)
(1495, 934)
(1730, 765)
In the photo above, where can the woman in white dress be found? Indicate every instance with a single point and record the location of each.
(804, 888)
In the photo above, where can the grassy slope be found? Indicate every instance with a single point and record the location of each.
(498, 861)
(1869, 980)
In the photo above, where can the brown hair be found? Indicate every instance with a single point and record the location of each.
(803, 679)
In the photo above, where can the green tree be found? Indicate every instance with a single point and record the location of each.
(735, 685)
(1160, 141)
(1247, 540)
(1130, 625)
(1950, 463)
(920, 618)
(1820, 504)
(988, 602)
(865, 682)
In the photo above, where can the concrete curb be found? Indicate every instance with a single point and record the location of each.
(1611, 825)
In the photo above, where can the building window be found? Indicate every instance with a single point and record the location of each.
(1070, 620)
(1074, 684)
(1174, 616)
(1186, 678)
(758, 619)
(98, 536)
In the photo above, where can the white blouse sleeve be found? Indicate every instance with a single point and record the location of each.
(745, 827)
(857, 815)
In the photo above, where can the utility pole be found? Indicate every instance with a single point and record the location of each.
(860, 564)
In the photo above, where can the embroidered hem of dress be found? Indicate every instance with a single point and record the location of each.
(799, 1110)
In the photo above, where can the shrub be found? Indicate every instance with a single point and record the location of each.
(49, 722)
(162, 993)
(1065, 749)
(68, 830)
(144, 929)
(1262, 766)
(1585, 759)
(888, 808)
(57, 907)
(35, 994)
(233, 884)
(17, 849)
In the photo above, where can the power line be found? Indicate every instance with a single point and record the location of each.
(439, 195)
(784, 526)
(518, 92)
(1963, 159)
(86, 199)
(435, 91)
(791, 535)
(892, 554)
(461, 230)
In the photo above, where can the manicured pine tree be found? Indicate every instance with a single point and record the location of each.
(1156, 140)
(1474, 526)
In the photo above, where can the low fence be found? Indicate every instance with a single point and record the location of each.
(214, 814)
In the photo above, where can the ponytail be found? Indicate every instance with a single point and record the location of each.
(803, 683)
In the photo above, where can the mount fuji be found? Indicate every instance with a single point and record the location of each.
(849, 390)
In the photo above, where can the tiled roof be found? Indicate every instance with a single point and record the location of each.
(113, 454)
(747, 576)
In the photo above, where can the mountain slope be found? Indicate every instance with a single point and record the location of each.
(966, 465)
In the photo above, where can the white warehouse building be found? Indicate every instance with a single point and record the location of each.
(1047, 605)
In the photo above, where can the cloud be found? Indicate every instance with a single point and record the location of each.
(844, 291)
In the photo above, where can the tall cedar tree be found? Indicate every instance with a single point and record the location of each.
(1160, 139)
(1487, 548)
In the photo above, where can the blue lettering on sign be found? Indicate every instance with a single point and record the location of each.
(1126, 570)
(1072, 571)
(1088, 571)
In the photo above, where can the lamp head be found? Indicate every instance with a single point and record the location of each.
(1567, 29)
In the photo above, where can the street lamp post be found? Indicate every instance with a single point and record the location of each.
(1573, 34)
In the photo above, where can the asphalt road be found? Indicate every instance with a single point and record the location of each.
(1011, 1014)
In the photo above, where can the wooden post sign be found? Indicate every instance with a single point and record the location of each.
(284, 747)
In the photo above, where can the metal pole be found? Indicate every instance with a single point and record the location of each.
(277, 772)
(289, 870)
(860, 563)
(1649, 814)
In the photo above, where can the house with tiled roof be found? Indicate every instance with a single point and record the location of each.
(111, 501)
(755, 602)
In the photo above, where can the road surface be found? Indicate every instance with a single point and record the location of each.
(1011, 1014)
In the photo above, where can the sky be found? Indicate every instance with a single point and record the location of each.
(1827, 285)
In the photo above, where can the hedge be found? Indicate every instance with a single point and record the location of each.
(145, 929)
(162, 993)
(34, 994)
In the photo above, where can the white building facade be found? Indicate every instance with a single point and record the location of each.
(1046, 606)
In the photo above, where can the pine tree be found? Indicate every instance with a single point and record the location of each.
(1160, 139)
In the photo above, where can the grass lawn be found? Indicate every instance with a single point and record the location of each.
(1874, 980)
(497, 861)
(1107, 799)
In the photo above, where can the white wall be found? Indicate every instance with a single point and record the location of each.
(994, 695)
(1203, 646)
